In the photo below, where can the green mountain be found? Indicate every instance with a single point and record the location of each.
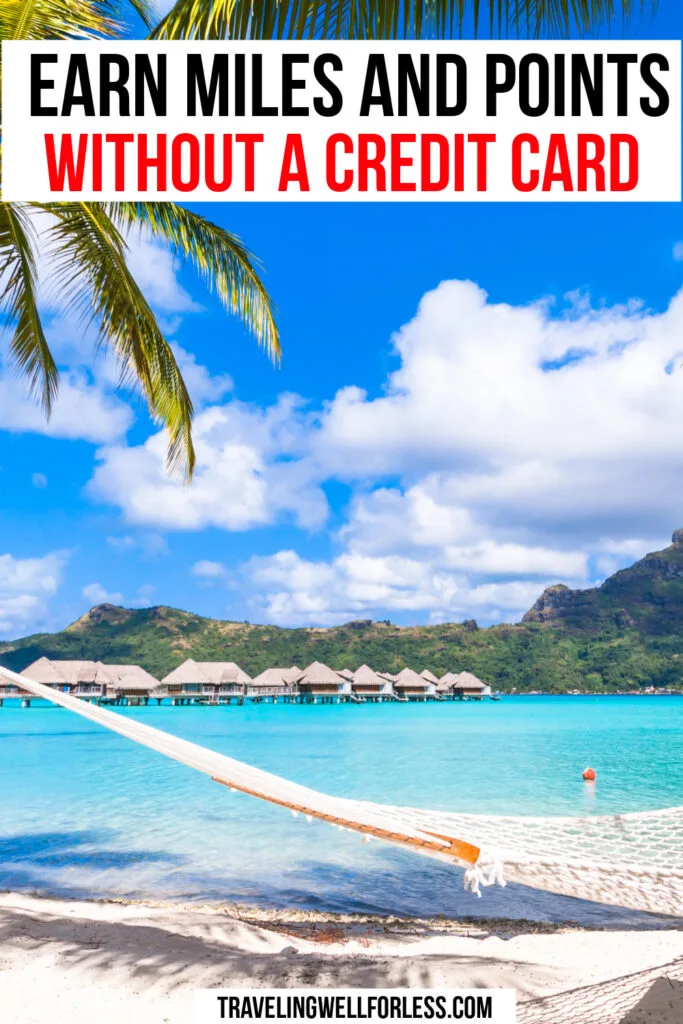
(625, 634)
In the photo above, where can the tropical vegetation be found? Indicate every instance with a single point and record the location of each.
(85, 245)
(387, 19)
(623, 635)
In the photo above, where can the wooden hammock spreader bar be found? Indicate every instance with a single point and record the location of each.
(457, 848)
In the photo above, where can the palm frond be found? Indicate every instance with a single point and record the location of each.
(88, 254)
(387, 19)
(68, 19)
(223, 262)
(19, 304)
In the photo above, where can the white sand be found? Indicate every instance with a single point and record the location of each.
(80, 962)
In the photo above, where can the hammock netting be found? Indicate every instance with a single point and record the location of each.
(627, 860)
(648, 996)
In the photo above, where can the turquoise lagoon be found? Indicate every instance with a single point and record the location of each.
(86, 813)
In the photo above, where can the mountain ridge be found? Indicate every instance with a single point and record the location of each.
(625, 634)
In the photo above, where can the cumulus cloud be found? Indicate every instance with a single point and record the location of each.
(26, 587)
(289, 590)
(240, 481)
(532, 445)
(209, 571)
(557, 424)
(514, 446)
(97, 594)
(83, 411)
(156, 271)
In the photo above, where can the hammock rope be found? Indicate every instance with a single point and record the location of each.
(627, 860)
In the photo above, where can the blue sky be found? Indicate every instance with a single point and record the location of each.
(430, 449)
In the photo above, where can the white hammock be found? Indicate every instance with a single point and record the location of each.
(628, 860)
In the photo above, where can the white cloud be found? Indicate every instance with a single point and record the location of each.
(97, 594)
(290, 590)
(156, 270)
(514, 446)
(144, 596)
(239, 483)
(206, 570)
(678, 251)
(202, 386)
(83, 411)
(26, 586)
(39, 481)
(493, 400)
(532, 447)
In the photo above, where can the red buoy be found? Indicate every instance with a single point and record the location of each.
(589, 775)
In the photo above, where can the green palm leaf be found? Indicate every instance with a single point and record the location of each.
(68, 19)
(19, 304)
(88, 249)
(220, 258)
(88, 255)
(385, 19)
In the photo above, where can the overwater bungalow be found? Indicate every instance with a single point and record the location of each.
(429, 676)
(321, 684)
(367, 684)
(411, 686)
(346, 673)
(468, 685)
(446, 684)
(274, 683)
(130, 684)
(77, 678)
(195, 681)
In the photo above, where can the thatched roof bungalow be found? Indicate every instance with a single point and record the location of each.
(429, 676)
(274, 682)
(447, 682)
(204, 678)
(321, 681)
(468, 685)
(411, 686)
(130, 681)
(77, 678)
(370, 684)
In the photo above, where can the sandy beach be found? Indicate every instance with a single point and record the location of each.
(76, 962)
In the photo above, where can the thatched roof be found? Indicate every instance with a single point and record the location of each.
(273, 677)
(132, 677)
(429, 676)
(368, 677)
(215, 672)
(51, 672)
(387, 675)
(346, 673)
(409, 677)
(447, 682)
(317, 673)
(468, 681)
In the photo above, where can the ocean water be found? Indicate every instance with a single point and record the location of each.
(86, 813)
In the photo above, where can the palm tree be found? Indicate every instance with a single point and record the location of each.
(85, 244)
(385, 19)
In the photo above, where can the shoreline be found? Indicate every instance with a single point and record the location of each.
(116, 960)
